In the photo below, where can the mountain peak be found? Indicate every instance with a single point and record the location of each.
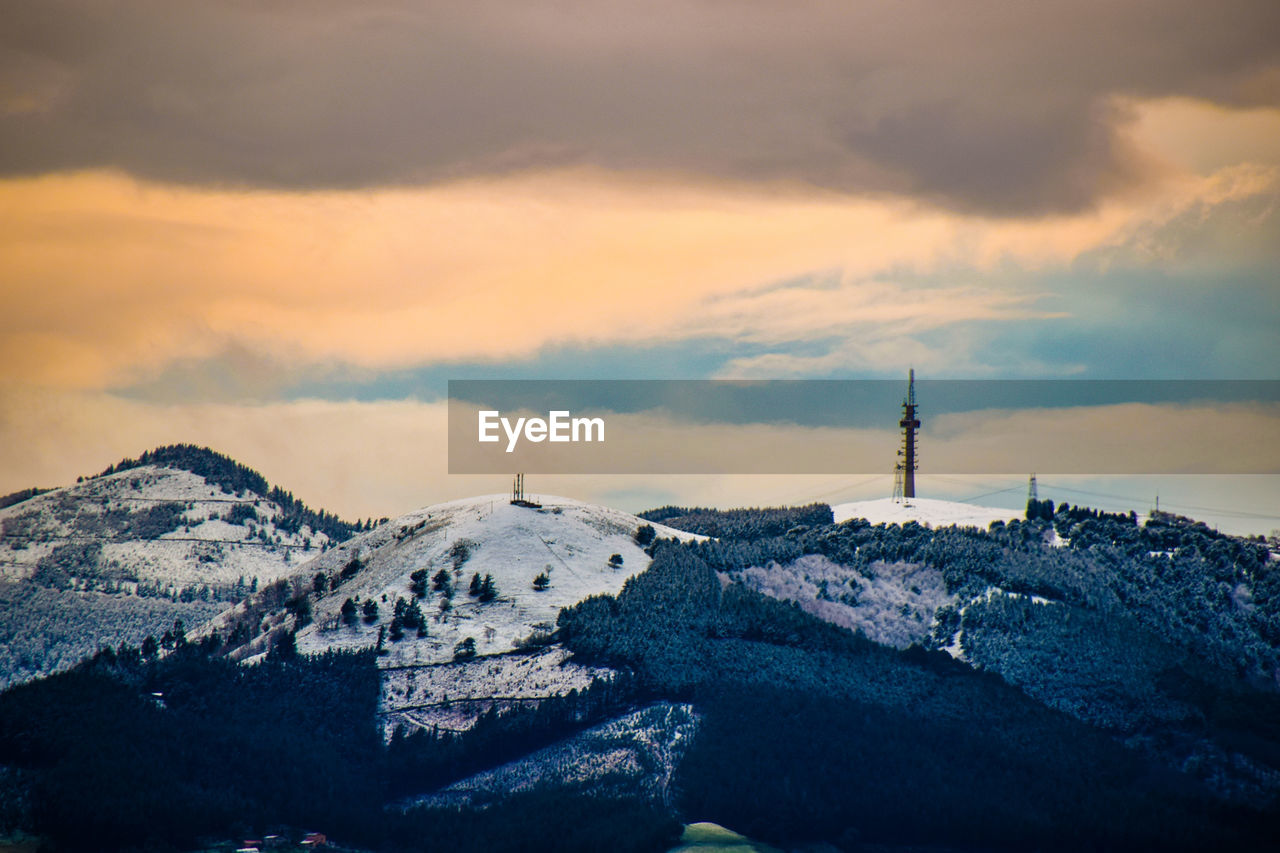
(437, 559)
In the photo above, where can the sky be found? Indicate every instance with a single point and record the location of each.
(278, 229)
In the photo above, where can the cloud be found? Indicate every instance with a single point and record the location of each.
(110, 281)
(991, 107)
(1203, 137)
(875, 310)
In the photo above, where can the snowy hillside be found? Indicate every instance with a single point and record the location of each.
(571, 542)
(409, 583)
(449, 696)
(635, 754)
(929, 511)
(894, 603)
(151, 525)
(124, 555)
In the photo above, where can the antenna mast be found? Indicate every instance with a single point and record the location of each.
(905, 472)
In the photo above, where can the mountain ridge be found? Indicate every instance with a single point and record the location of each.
(1075, 679)
(115, 557)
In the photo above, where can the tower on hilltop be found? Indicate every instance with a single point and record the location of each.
(518, 496)
(905, 471)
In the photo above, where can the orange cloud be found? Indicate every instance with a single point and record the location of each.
(108, 279)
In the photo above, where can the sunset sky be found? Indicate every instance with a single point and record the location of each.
(278, 228)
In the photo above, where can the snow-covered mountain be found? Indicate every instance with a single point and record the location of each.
(407, 587)
(154, 526)
(1149, 648)
(125, 554)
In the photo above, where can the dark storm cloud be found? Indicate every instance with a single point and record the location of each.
(992, 107)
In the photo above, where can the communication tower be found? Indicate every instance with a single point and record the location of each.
(904, 485)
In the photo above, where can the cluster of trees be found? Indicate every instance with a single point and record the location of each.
(60, 567)
(423, 760)
(116, 523)
(138, 749)
(20, 496)
(1215, 596)
(1134, 615)
(1037, 509)
(43, 630)
(1044, 511)
(811, 733)
(112, 765)
(407, 615)
(240, 513)
(741, 523)
(483, 588)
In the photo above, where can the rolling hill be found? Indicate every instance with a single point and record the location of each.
(176, 534)
(449, 653)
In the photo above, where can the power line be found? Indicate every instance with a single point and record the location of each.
(989, 494)
(970, 483)
(1231, 513)
(852, 486)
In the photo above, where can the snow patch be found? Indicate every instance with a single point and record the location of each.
(452, 696)
(893, 603)
(930, 511)
(640, 750)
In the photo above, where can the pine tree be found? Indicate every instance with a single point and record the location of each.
(440, 580)
(476, 583)
(285, 647)
(465, 649)
(488, 591)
